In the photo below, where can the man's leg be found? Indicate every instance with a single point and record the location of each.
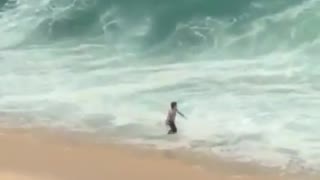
(173, 128)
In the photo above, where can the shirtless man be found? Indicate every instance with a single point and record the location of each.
(172, 117)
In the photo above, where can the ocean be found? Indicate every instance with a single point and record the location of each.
(244, 73)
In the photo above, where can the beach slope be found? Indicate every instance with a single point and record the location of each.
(34, 155)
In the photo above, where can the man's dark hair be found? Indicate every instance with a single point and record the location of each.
(173, 104)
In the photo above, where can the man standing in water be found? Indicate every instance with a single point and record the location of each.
(171, 117)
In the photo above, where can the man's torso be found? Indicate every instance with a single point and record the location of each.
(171, 115)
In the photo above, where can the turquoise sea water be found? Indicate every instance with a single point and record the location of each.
(245, 73)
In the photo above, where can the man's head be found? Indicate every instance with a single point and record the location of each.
(173, 105)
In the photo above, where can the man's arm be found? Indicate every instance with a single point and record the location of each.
(181, 114)
(168, 118)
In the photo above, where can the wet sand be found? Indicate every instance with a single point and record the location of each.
(39, 155)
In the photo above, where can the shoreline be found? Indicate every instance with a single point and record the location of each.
(46, 154)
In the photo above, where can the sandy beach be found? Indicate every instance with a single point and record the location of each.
(37, 155)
